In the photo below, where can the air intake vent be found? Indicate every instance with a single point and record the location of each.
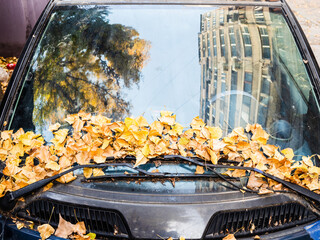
(257, 221)
(108, 223)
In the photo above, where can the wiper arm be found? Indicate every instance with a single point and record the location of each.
(294, 187)
(8, 201)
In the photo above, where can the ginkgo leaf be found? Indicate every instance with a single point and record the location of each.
(167, 117)
(199, 170)
(87, 172)
(45, 231)
(288, 153)
(140, 158)
(60, 135)
(197, 123)
(215, 132)
(97, 172)
(54, 127)
(307, 161)
(229, 237)
(69, 177)
(52, 166)
(141, 122)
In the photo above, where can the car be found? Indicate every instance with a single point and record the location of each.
(233, 63)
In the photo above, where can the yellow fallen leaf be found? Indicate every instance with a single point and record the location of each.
(307, 161)
(51, 165)
(229, 237)
(199, 170)
(140, 158)
(54, 127)
(97, 172)
(92, 236)
(288, 153)
(47, 187)
(215, 132)
(60, 135)
(87, 172)
(67, 178)
(197, 123)
(45, 231)
(20, 225)
(141, 122)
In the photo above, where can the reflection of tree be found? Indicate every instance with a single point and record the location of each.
(83, 64)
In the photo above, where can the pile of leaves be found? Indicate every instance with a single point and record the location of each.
(7, 64)
(90, 139)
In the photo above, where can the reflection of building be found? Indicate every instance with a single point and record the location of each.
(235, 56)
(252, 72)
(232, 56)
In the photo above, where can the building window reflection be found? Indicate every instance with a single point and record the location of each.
(233, 45)
(214, 38)
(233, 99)
(265, 42)
(258, 14)
(247, 42)
(222, 43)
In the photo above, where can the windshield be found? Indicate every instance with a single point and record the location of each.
(229, 65)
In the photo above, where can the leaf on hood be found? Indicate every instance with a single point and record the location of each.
(87, 172)
(254, 182)
(97, 172)
(45, 231)
(69, 177)
(64, 229)
(229, 237)
(140, 158)
(199, 170)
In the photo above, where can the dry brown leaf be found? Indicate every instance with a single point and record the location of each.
(64, 229)
(255, 182)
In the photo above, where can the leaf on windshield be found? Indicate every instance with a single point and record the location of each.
(93, 138)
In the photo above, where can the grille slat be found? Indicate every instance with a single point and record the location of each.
(99, 221)
(267, 219)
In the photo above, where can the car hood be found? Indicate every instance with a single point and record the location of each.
(150, 215)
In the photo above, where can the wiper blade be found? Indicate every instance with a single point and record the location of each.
(294, 187)
(8, 201)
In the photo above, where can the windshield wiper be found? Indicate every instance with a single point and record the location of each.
(294, 187)
(8, 201)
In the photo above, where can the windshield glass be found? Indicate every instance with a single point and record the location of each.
(229, 65)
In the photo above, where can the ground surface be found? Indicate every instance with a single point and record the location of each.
(308, 15)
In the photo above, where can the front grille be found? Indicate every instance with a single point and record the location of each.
(108, 223)
(250, 222)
